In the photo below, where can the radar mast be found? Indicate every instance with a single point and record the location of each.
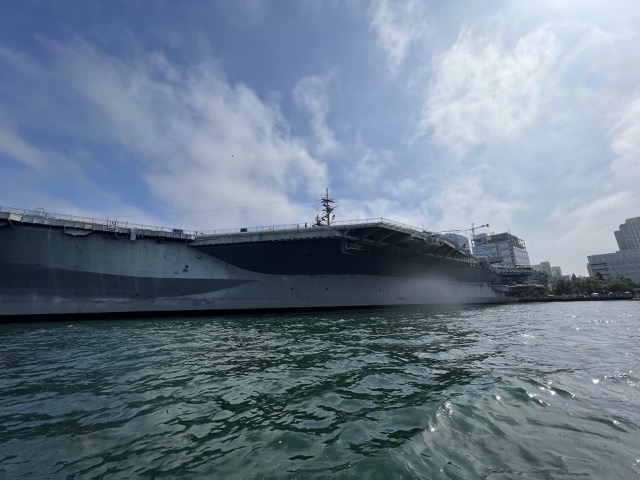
(325, 218)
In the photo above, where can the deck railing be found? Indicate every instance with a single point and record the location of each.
(297, 226)
(41, 216)
(35, 216)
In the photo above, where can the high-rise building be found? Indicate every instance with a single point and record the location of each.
(556, 272)
(552, 273)
(625, 262)
(628, 236)
(543, 267)
(501, 248)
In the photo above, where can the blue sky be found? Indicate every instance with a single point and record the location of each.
(222, 114)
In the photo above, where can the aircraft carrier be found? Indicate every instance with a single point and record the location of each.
(62, 265)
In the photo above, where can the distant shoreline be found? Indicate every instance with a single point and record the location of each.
(573, 299)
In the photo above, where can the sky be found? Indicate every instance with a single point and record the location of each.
(209, 115)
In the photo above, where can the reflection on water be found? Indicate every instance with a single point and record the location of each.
(545, 390)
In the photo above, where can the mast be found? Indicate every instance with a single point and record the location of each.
(327, 209)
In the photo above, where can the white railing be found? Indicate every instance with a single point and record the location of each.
(32, 215)
(114, 222)
(297, 226)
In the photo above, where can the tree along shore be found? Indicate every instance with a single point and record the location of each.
(591, 288)
(617, 285)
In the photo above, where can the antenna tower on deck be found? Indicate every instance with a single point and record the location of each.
(325, 218)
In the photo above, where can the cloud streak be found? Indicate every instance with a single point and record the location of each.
(398, 27)
(310, 94)
(482, 93)
(195, 140)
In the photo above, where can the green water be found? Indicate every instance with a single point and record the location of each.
(515, 391)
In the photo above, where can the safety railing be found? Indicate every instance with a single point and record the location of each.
(296, 226)
(41, 216)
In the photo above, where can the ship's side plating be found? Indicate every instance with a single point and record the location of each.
(50, 265)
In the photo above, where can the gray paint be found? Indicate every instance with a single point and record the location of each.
(46, 270)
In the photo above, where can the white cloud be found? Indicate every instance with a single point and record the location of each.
(197, 141)
(474, 197)
(15, 147)
(523, 128)
(310, 93)
(350, 208)
(482, 92)
(369, 165)
(578, 229)
(398, 26)
(19, 61)
(127, 99)
(400, 187)
(626, 146)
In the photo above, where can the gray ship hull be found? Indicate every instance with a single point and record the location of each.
(61, 266)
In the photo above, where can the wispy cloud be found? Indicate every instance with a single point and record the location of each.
(369, 165)
(196, 140)
(398, 26)
(626, 146)
(481, 91)
(311, 94)
(520, 105)
(17, 149)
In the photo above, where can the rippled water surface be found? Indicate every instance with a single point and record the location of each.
(526, 391)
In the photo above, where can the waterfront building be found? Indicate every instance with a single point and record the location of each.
(628, 235)
(501, 249)
(626, 261)
(543, 267)
(552, 273)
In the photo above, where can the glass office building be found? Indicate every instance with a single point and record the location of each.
(501, 249)
(628, 235)
(625, 262)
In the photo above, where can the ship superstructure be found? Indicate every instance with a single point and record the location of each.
(54, 264)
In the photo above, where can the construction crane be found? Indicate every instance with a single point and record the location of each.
(472, 229)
